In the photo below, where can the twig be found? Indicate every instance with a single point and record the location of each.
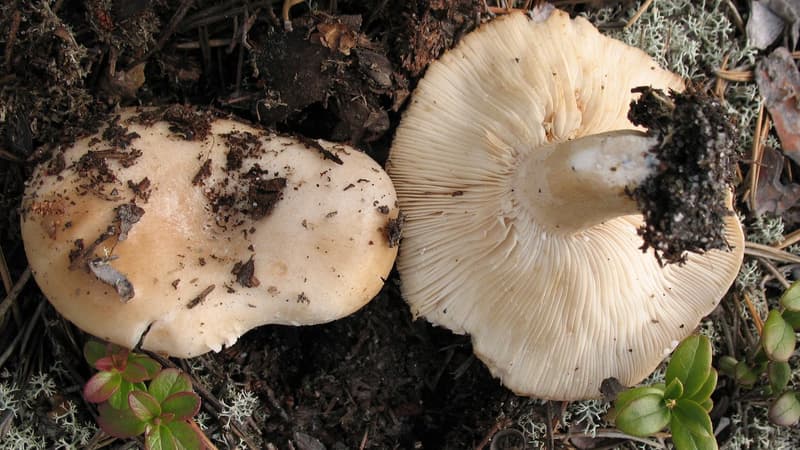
(8, 285)
(363, 444)
(775, 272)
(23, 337)
(757, 153)
(769, 252)
(504, 10)
(223, 11)
(499, 425)
(213, 43)
(737, 18)
(30, 326)
(613, 434)
(14, 292)
(240, 34)
(789, 239)
(735, 75)
(5, 154)
(753, 312)
(726, 330)
(721, 83)
(638, 14)
(172, 26)
(551, 445)
(12, 37)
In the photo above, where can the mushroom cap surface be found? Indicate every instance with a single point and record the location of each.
(551, 313)
(206, 261)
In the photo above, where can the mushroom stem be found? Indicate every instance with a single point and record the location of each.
(576, 184)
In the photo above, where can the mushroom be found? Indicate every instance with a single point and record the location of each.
(513, 166)
(182, 233)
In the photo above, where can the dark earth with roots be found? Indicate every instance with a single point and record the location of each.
(341, 71)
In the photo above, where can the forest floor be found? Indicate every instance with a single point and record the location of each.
(377, 379)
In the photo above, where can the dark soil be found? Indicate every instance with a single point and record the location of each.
(377, 379)
(684, 203)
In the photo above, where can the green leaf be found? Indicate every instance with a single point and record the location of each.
(119, 423)
(159, 437)
(690, 363)
(168, 382)
(184, 405)
(791, 297)
(150, 365)
(792, 318)
(144, 406)
(785, 410)
(777, 337)
(643, 415)
(691, 427)
(779, 373)
(674, 390)
(93, 350)
(707, 389)
(727, 364)
(684, 440)
(695, 417)
(744, 375)
(708, 405)
(186, 434)
(102, 386)
(120, 398)
(626, 396)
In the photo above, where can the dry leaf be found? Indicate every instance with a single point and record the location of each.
(337, 36)
(772, 195)
(779, 83)
(789, 11)
(764, 26)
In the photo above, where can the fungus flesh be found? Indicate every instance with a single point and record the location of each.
(514, 166)
(183, 230)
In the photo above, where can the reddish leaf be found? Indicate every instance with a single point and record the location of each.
(119, 423)
(184, 405)
(150, 365)
(143, 405)
(134, 373)
(105, 364)
(101, 386)
(119, 358)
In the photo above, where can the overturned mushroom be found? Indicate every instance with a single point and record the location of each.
(186, 232)
(514, 166)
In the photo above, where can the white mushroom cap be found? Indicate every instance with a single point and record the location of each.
(556, 294)
(320, 254)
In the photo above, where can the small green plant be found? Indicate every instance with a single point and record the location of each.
(163, 408)
(682, 402)
(778, 342)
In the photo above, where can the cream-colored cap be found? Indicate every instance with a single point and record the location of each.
(552, 310)
(209, 237)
